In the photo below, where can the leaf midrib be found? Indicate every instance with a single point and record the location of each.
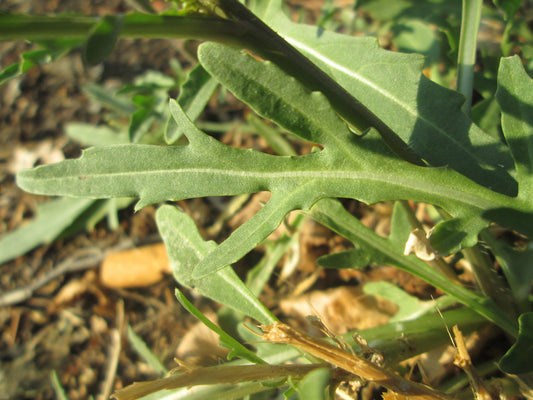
(276, 179)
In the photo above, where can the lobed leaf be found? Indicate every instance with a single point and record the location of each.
(424, 115)
(194, 95)
(515, 97)
(349, 166)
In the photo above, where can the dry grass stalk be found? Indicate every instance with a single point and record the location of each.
(281, 333)
(220, 374)
(463, 361)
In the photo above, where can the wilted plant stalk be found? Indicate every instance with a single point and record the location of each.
(281, 333)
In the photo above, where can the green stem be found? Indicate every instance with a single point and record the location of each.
(516, 285)
(471, 18)
(242, 29)
(490, 283)
(41, 28)
(331, 214)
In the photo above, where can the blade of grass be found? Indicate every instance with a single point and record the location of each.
(142, 349)
(471, 18)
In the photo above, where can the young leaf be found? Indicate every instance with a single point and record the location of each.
(186, 248)
(102, 39)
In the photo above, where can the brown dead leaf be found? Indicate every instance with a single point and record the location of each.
(138, 267)
(341, 309)
(200, 346)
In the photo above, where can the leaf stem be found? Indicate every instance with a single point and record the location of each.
(483, 269)
(489, 282)
(471, 18)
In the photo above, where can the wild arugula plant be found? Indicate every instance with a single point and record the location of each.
(382, 130)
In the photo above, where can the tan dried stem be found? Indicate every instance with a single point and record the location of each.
(463, 361)
(220, 374)
(281, 333)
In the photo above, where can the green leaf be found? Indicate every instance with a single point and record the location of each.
(59, 390)
(284, 101)
(53, 218)
(117, 102)
(419, 335)
(354, 258)
(314, 385)
(52, 50)
(90, 135)
(514, 262)
(144, 351)
(423, 114)
(509, 7)
(140, 123)
(331, 214)
(515, 96)
(447, 236)
(410, 307)
(186, 247)
(487, 115)
(101, 209)
(518, 359)
(194, 95)
(237, 349)
(256, 229)
(102, 39)
(412, 36)
(362, 168)
(414, 9)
